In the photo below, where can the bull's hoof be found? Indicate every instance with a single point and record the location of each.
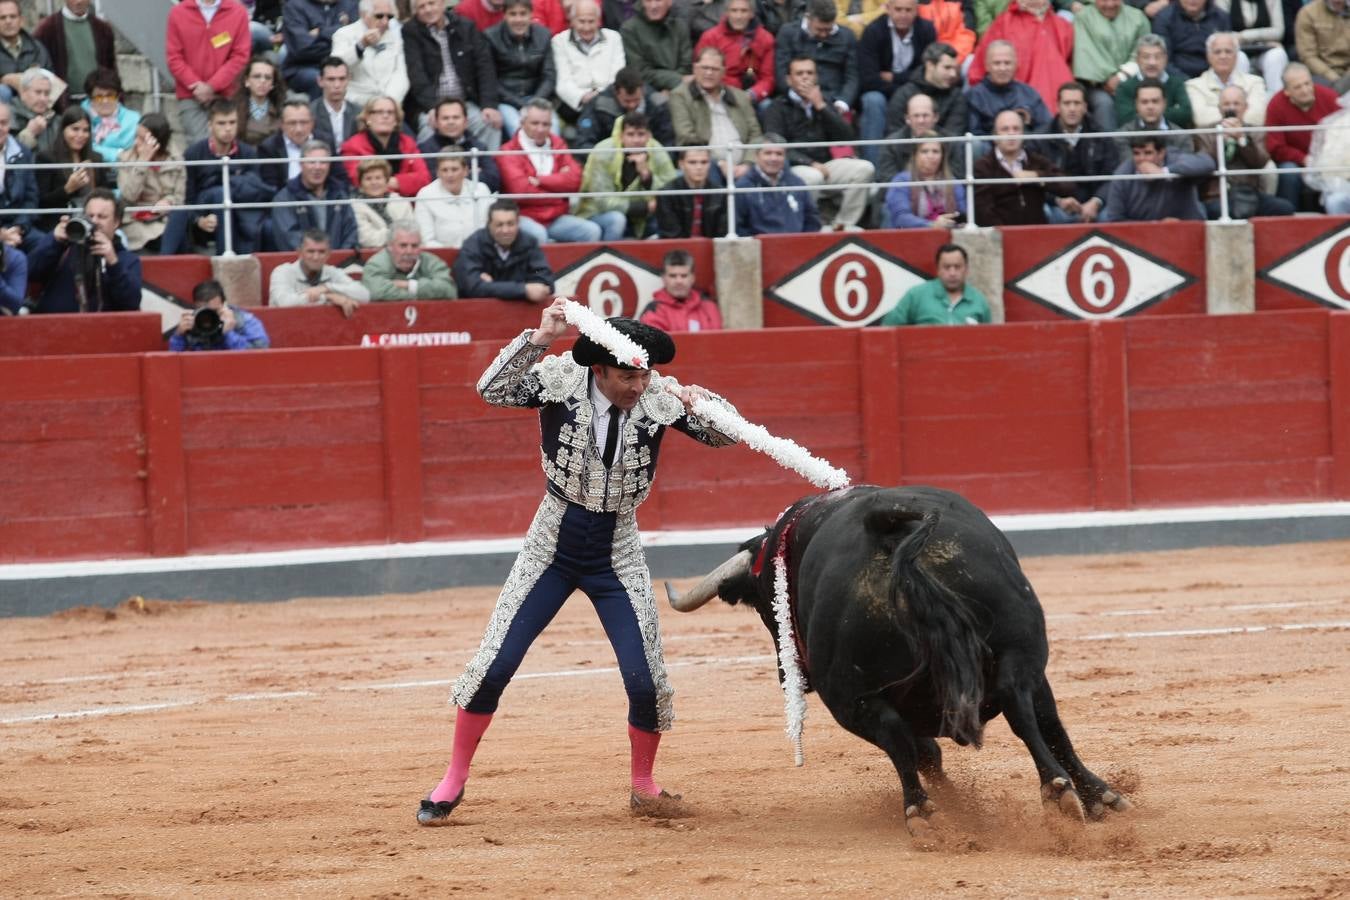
(1059, 792)
(1111, 801)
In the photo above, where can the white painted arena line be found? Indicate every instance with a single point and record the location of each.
(676, 664)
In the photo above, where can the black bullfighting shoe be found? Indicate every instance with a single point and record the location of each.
(438, 813)
(664, 805)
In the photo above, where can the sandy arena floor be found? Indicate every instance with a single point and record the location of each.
(227, 750)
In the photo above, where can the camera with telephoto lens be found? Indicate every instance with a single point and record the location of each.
(1228, 113)
(207, 328)
(79, 230)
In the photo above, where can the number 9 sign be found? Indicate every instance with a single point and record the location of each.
(851, 287)
(1098, 280)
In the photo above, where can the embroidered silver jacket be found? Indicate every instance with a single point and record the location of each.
(560, 390)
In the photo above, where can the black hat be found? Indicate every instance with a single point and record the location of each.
(659, 346)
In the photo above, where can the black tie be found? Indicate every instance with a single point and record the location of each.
(612, 438)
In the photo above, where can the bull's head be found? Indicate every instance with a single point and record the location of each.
(732, 581)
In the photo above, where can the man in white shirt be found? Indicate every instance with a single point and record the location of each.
(310, 281)
(373, 52)
(586, 58)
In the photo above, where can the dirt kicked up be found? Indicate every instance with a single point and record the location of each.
(232, 750)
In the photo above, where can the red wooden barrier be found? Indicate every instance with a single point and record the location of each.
(170, 453)
(394, 324)
(1302, 262)
(123, 332)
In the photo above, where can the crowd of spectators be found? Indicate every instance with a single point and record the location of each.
(442, 106)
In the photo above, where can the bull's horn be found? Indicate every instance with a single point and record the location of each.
(706, 589)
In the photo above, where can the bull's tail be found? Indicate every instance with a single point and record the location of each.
(945, 635)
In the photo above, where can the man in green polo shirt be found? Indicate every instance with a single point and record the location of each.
(946, 300)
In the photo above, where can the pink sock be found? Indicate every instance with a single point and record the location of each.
(644, 744)
(469, 728)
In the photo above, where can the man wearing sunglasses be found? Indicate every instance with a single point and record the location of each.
(373, 53)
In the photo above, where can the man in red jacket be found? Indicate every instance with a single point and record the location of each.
(547, 171)
(1300, 103)
(208, 45)
(747, 48)
(678, 306)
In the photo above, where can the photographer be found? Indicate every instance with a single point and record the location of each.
(215, 325)
(86, 268)
(1242, 149)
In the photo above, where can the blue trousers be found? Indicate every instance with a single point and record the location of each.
(583, 559)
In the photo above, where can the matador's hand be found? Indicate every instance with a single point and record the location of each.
(688, 394)
(553, 323)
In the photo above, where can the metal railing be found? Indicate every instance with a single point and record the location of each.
(727, 152)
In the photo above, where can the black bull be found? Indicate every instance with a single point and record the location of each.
(915, 622)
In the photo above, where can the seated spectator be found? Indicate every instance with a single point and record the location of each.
(1323, 41)
(311, 281)
(941, 81)
(78, 42)
(374, 218)
(1021, 202)
(1186, 25)
(114, 126)
(373, 52)
(1242, 149)
(657, 44)
(998, 91)
(297, 129)
(804, 116)
(548, 177)
(946, 300)
(626, 95)
(205, 57)
(1261, 32)
(890, 53)
(1074, 153)
(204, 185)
(523, 54)
(702, 214)
(161, 184)
(1300, 103)
(13, 271)
(1105, 36)
(774, 14)
(335, 117)
(920, 119)
(702, 16)
(33, 110)
(433, 36)
(503, 261)
(69, 185)
(949, 18)
(707, 112)
(747, 50)
(487, 14)
(380, 135)
(308, 27)
(265, 26)
(1150, 61)
(1149, 103)
(231, 328)
(1043, 43)
(21, 51)
(18, 190)
(402, 271)
(774, 212)
(259, 100)
(316, 189)
(632, 162)
(586, 58)
(99, 275)
(678, 305)
(818, 36)
(1203, 91)
(451, 121)
(910, 203)
(1158, 200)
(452, 207)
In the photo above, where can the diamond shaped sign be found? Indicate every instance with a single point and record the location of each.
(1100, 277)
(1319, 271)
(852, 284)
(609, 282)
